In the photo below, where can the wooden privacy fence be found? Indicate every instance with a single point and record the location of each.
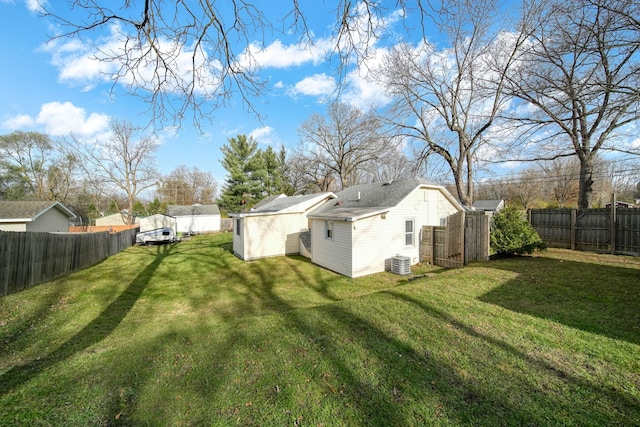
(610, 230)
(464, 239)
(28, 259)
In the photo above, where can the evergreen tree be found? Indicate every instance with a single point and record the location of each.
(245, 181)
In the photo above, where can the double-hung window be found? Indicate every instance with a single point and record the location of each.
(409, 232)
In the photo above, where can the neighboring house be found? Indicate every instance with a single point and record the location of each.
(115, 219)
(367, 225)
(620, 204)
(157, 221)
(34, 216)
(273, 228)
(488, 205)
(196, 218)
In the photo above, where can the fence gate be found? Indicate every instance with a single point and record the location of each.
(464, 239)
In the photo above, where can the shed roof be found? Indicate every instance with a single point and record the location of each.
(193, 210)
(27, 211)
(287, 205)
(488, 204)
(267, 200)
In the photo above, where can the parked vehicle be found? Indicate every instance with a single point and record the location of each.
(160, 235)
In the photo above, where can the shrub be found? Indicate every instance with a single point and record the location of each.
(511, 234)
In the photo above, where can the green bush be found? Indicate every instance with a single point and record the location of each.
(511, 234)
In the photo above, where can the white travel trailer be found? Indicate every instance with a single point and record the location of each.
(159, 235)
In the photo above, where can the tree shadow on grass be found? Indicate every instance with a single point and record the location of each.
(596, 298)
(94, 332)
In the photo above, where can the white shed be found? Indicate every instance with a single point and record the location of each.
(274, 228)
(34, 216)
(157, 221)
(368, 225)
(115, 219)
(196, 218)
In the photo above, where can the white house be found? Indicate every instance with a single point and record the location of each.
(359, 232)
(273, 228)
(196, 218)
(157, 221)
(34, 216)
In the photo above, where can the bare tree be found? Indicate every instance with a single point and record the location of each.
(561, 180)
(447, 99)
(346, 144)
(192, 57)
(32, 166)
(122, 164)
(186, 186)
(579, 83)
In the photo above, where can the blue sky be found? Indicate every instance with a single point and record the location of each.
(54, 88)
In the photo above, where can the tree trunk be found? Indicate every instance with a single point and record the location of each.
(585, 189)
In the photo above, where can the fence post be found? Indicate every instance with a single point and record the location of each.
(612, 225)
(433, 246)
(462, 238)
(574, 225)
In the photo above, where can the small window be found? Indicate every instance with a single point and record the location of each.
(409, 226)
(328, 230)
(238, 226)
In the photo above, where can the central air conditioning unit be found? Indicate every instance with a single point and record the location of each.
(401, 265)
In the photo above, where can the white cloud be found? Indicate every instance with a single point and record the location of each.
(278, 55)
(316, 85)
(265, 135)
(91, 64)
(61, 119)
(36, 5)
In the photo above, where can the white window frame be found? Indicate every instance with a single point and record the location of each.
(328, 230)
(411, 233)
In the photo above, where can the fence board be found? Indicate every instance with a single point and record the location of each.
(28, 259)
(589, 230)
(463, 240)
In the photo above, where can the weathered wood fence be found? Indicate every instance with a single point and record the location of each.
(610, 230)
(28, 259)
(464, 239)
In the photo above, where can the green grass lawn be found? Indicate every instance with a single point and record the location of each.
(187, 334)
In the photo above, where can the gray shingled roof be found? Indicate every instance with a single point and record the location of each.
(267, 200)
(281, 203)
(370, 198)
(28, 210)
(178, 210)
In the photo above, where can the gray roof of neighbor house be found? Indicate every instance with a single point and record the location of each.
(281, 203)
(487, 204)
(28, 210)
(365, 200)
(177, 210)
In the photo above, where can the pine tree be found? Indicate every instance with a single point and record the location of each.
(244, 184)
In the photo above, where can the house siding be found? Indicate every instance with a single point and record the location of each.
(13, 226)
(198, 223)
(53, 220)
(375, 240)
(333, 254)
(269, 235)
(238, 238)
